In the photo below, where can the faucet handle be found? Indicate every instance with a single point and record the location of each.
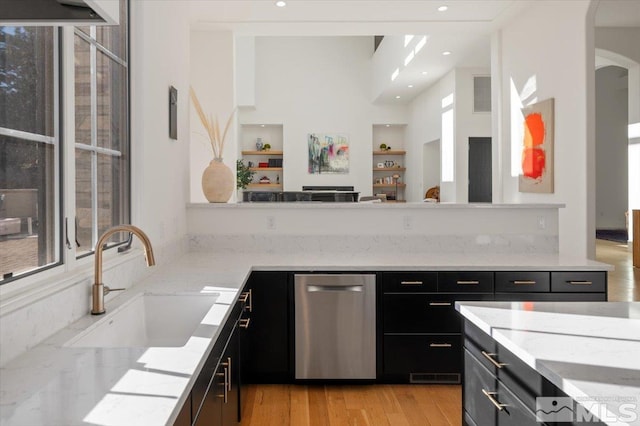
(108, 289)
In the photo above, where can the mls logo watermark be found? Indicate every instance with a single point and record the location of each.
(610, 410)
(549, 409)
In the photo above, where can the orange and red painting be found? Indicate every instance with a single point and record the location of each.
(537, 148)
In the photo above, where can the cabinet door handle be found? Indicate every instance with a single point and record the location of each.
(490, 356)
(577, 282)
(524, 282)
(494, 401)
(467, 282)
(228, 365)
(249, 306)
(244, 322)
(439, 345)
(439, 303)
(410, 282)
(224, 386)
(244, 297)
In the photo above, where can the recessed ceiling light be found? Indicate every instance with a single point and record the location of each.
(262, 125)
(387, 125)
(442, 8)
(398, 97)
(424, 73)
(446, 53)
(410, 86)
(281, 3)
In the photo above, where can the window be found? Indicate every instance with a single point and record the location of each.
(32, 212)
(29, 148)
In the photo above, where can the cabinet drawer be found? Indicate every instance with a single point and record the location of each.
(551, 297)
(409, 282)
(471, 282)
(481, 345)
(424, 313)
(522, 282)
(587, 282)
(435, 353)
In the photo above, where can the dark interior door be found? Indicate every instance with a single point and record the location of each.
(479, 170)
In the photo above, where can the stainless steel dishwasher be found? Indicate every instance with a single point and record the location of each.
(335, 326)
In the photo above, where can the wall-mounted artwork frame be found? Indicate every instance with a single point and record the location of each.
(328, 153)
(537, 148)
(173, 112)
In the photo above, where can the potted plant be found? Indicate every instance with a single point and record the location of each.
(244, 175)
(266, 147)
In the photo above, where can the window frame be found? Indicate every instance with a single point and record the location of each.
(69, 266)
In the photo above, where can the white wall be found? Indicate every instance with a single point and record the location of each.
(468, 124)
(160, 58)
(611, 147)
(319, 85)
(560, 63)
(425, 125)
(212, 78)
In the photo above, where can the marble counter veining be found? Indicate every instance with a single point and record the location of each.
(57, 385)
(590, 350)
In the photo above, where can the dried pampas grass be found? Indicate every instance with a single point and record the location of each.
(212, 126)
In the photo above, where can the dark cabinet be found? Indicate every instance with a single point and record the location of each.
(582, 282)
(499, 388)
(265, 343)
(462, 281)
(421, 330)
(522, 281)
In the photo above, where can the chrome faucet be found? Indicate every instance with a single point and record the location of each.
(99, 290)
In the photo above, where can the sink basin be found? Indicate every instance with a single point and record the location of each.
(148, 320)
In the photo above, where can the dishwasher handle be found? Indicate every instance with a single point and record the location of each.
(335, 288)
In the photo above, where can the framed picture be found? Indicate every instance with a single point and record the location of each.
(537, 148)
(328, 153)
(173, 112)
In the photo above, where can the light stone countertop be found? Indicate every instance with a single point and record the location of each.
(590, 350)
(372, 205)
(56, 385)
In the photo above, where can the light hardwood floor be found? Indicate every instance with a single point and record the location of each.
(399, 405)
(353, 405)
(624, 281)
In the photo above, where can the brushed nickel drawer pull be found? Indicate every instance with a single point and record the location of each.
(490, 356)
(468, 282)
(244, 322)
(244, 297)
(439, 303)
(410, 282)
(439, 345)
(495, 402)
(580, 282)
(524, 282)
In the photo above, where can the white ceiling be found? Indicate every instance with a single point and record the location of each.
(464, 29)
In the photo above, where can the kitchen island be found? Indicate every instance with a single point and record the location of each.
(56, 384)
(587, 352)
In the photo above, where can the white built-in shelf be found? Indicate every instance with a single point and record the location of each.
(263, 152)
(265, 169)
(389, 169)
(390, 152)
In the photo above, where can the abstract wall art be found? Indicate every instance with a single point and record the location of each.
(328, 153)
(537, 148)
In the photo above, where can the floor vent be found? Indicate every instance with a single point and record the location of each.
(434, 378)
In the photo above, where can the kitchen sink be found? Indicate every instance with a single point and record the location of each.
(148, 320)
